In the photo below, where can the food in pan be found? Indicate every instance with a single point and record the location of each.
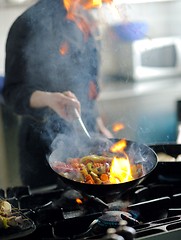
(8, 218)
(95, 169)
(164, 157)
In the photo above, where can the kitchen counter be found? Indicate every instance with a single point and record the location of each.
(148, 110)
(116, 88)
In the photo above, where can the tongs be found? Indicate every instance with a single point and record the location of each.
(98, 143)
(79, 125)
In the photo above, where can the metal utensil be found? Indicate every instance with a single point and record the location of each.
(79, 125)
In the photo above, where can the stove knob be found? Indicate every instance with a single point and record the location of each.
(128, 233)
(111, 235)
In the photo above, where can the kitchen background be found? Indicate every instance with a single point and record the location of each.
(147, 109)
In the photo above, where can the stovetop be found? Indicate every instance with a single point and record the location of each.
(151, 210)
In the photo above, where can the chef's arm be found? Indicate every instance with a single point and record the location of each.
(62, 103)
(102, 129)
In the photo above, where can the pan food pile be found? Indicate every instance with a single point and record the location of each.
(13, 224)
(124, 161)
(7, 218)
(164, 157)
(95, 169)
(167, 152)
(100, 170)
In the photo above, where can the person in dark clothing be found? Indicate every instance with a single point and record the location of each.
(50, 68)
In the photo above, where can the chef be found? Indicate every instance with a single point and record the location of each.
(51, 68)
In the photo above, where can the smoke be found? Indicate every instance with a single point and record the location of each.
(142, 154)
(47, 31)
(65, 146)
(47, 70)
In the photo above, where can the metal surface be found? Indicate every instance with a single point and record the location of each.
(174, 235)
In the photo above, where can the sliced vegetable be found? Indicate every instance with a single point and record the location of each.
(93, 169)
(104, 177)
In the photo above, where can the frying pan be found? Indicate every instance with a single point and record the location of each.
(139, 153)
(166, 172)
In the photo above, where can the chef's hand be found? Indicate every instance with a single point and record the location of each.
(62, 103)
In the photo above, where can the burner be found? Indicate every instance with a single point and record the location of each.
(100, 226)
(70, 200)
(111, 219)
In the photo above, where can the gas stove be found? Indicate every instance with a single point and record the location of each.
(151, 210)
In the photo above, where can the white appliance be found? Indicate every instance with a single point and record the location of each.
(144, 59)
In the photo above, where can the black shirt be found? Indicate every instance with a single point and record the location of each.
(34, 62)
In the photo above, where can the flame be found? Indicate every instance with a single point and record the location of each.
(87, 4)
(78, 200)
(119, 146)
(120, 170)
(94, 3)
(118, 127)
(73, 8)
(64, 48)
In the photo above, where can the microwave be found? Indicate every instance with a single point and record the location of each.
(145, 59)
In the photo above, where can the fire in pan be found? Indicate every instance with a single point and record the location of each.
(114, 169)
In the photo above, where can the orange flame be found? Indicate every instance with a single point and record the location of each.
(87, 4)
(118, 127)
(120, 170)
(73, 14)
(64, 48)
(119, 146)
(78, 200)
